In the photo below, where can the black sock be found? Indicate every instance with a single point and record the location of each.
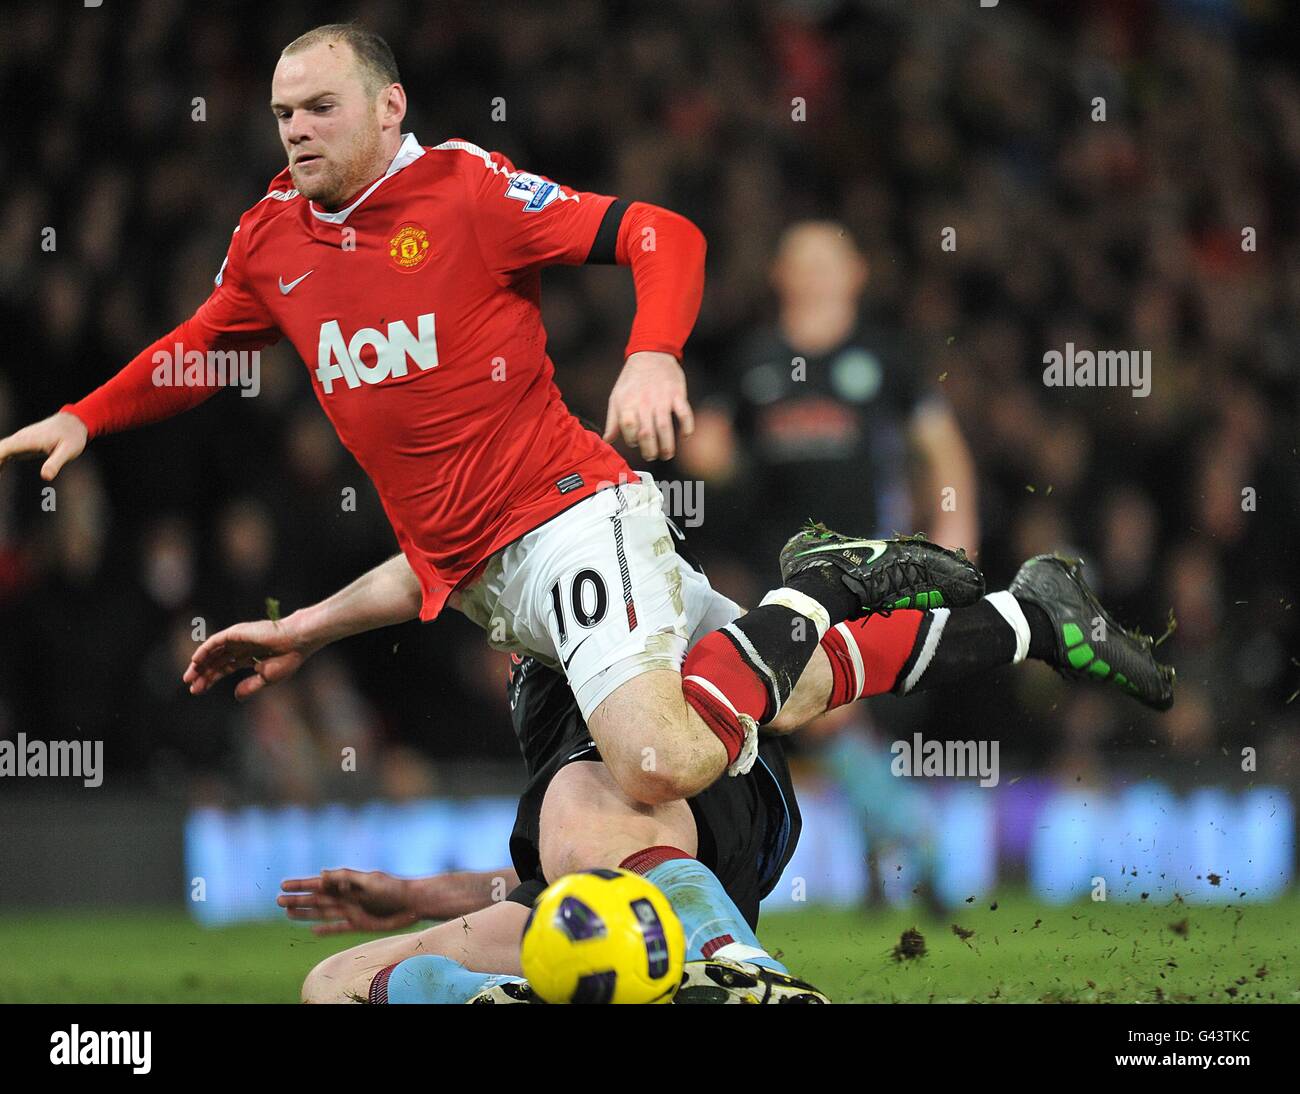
(777, 643)
(1042, 635)
(972, 640)
(826, 586)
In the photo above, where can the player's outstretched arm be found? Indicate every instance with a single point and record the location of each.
(61, 437)
(356, 900)
(276, 649)
(152, 386)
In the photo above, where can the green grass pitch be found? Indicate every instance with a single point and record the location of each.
(1020, 951)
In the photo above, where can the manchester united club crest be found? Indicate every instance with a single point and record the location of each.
(409, 247)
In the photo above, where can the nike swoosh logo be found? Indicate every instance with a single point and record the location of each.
(574, 653)
(287, 289)
(878, 547)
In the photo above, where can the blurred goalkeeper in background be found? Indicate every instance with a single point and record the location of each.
(829, 402)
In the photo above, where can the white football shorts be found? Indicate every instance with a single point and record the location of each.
(598, 592)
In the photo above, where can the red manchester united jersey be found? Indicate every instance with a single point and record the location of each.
(417, 312)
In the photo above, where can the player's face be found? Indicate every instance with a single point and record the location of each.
(329, 124)
(816, 263)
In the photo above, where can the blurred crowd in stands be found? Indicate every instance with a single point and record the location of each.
(1171, 226)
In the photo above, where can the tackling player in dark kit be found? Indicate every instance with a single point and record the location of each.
(744, 830)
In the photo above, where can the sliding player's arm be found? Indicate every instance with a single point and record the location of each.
(276, 648)
(371, 900)
(525, 221)
(146, 389)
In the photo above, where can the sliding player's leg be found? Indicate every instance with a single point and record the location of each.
(451, 963)
(588, 822)
(574, 816)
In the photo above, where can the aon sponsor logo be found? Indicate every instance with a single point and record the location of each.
(338, 359)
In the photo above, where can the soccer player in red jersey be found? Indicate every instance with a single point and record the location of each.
(408, 279)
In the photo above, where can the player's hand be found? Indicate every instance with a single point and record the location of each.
(61, 437)
(650, 390)
(348, 900)
(271, 648)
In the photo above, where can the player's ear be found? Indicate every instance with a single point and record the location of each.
(392, 105)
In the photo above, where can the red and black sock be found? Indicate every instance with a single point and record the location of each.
(749, 667)
(866, 655)
(910, 651)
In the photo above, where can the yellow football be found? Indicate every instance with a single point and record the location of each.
(603, 936)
